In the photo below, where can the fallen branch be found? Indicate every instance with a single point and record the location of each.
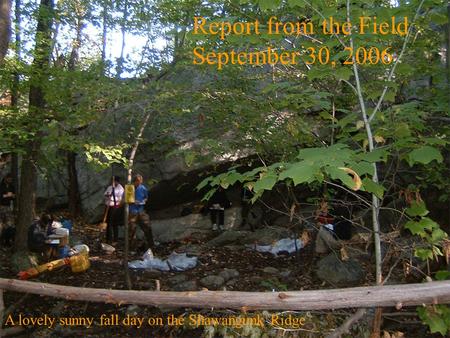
(360, 297)
(345, 328)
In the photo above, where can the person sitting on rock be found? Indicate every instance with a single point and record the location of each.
(217, 205)
(37, 234)
(332, 229)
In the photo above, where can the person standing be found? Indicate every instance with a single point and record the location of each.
(217, 205)
(113, 201)
(137, 212)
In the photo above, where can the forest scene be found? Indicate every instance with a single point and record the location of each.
(237, 168)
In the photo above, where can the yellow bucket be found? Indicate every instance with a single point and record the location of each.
(80, 263)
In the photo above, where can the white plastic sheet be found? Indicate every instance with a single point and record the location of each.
(175, 262)
(181, 262)
(288, 245)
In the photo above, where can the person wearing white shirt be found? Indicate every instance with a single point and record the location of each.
(114, 202)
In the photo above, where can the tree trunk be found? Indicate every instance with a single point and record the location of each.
(15, 96)
(5, 27)
(447, 40)
(73, 189)
(105, 32)
(39, 75)
(27, 195)
(124, 23)
(358, 297)
(126, 213)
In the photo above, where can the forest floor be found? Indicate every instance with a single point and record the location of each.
(257, 272)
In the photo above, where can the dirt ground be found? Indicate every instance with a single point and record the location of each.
(107, 272)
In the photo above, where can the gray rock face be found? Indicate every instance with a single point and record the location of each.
(332, 270)
(190, 249)
(166, 230)
(212, 282)
(268, 235)
(263, 236)
(229, 237)
(228, 274)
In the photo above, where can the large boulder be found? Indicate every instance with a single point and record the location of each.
(212, 282)
(268, 235)
(167, 230)
(262, 236)
(332, 270)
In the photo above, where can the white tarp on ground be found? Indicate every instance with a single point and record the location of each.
(288, 245)
(175, 262)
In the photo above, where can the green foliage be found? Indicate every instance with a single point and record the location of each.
(101, 157)
(437, 317)
(424, 155)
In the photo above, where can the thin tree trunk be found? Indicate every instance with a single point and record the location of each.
(447, 40)
(124, 22)
(5, 27)
(15, 96)
(73, 188)
(375, 200)
(126, 213)
(105, 31)
(39, 75)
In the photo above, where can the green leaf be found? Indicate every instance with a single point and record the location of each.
(437, 324)
(442, 275)
(439, 18)
(402, 130)
(417, 209)
(372, 187)
(343, 73)
(339, 174)
(435, 317)
(415, 227)
(438, 235)
(418, 228)
(209, 194)
(204, 183)
(375, 156)
(297, 3)
(362, 168)
(424, 155)
(268, 4)
(231, 178)
(300, 172)
(265, 183)
(423, 254)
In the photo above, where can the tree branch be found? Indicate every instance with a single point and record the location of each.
(391, 73)
(358, 297)
(345, 327)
